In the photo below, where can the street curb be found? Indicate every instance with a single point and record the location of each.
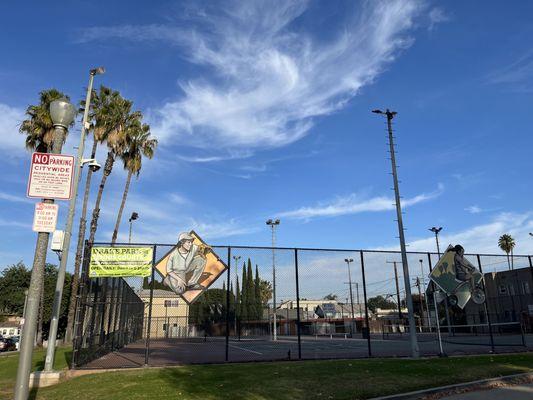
(419, 394)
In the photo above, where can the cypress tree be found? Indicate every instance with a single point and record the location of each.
(237, 299)
(257, 289)
(252, 311)
(244, 295)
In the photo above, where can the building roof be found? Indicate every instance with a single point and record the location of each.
(159, 293)
(9, 324)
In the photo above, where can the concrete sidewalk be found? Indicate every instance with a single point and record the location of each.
(515, 392)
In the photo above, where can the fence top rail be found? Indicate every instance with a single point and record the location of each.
(219, 246)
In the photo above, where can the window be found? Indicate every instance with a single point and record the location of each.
(171, 303)
(503, 289)
(525, 287)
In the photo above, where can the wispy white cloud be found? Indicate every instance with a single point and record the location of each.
(270, 78)
(483, 238)
(355, 204)
(15, 199)
(11, 141)
(473, 209)
(436, 16)
(517, 75)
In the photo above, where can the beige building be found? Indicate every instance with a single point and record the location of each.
(170, 314)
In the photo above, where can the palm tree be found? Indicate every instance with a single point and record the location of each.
(138, 143)
(100, 103)
(506, 243)
(115, 118)
(39, 128)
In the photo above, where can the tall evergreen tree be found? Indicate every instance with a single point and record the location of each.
(237, 299)
(244, 295)
(252, 311)
(257, 290)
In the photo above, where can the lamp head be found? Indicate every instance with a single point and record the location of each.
(134, 216)
(62, 112)
(97, 71)
(377, 111)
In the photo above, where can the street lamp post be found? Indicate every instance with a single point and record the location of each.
(273, 223)
(407, 282)
(236, 258)
(62, 113)
(50, 351)
(425, 294)
(348, 261)
(436, 231)
(134, 216)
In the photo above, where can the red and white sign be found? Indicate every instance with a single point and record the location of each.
(51, 176)
(45, 217)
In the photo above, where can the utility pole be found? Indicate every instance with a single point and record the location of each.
(421, 303)
(425, 294)
(62, 113)
(54, 322)
(236, 258)
(348, 261)
(436, 231)
(415, 352)
(273, 224)
(400, 315)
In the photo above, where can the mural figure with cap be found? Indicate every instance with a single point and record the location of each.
(185, 265)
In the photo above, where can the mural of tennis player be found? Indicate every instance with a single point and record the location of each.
(185, 265)
(464, 270)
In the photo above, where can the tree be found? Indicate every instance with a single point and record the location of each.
(98, 119)
(257, 290)
(39, 128)
(209, 310)
(138, 143)
(244, 295)
(380, 302)
(330, 296)
(15, 279)
(266, 291)
(250, 290)
(507, 243)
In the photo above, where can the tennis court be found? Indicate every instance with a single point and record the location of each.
(206, 350)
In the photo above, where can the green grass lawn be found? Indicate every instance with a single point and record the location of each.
(9, 363)
(339, 379)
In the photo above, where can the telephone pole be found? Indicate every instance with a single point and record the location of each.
(400, 315)
(415, 352)
(273, 224)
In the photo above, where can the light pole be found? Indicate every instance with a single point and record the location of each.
(348, 261)
(134, 216)
(50, 351)
(407, 282)
(236, 258)
(425, 295)
(62, 113)
(436, 231)
(273, 223)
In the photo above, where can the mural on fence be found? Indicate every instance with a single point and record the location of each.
(190, 267)
(458, 278)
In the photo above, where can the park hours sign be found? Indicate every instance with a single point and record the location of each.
(51, 176)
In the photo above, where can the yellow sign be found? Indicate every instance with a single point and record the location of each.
(120, 261)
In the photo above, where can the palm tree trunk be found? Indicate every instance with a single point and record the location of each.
(96, 212)
(79, 252)
(508, 261)
(512, 259)
(121, 209)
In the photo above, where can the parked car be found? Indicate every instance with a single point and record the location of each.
(16, 339)
(7, 344)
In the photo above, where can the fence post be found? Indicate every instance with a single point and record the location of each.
(116, 314)
(149, 324)
(111, 312)
(487, 311)
(81, 303)
(298, 321)
(366, 304)
(227, 303)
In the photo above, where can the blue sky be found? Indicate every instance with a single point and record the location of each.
(262, 109)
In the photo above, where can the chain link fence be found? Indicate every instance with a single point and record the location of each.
(291, 304)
